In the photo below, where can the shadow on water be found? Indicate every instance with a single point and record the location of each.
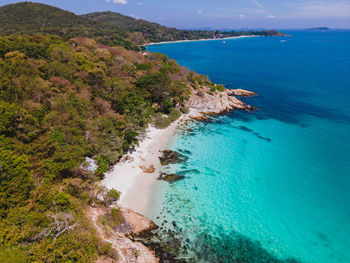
(219, 246)
(229, 248)
(288, 110)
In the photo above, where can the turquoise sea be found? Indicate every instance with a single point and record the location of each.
(272, 185)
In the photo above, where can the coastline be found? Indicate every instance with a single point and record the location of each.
(195, 40)
(127, 177)
(136, 172)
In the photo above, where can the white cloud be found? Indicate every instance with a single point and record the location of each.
(257, 3)
(134, 16)
(199, 11)
(139, 3)
(270, 16)
(118, 2)
(241, 16)
(327, 9)
(321, 9)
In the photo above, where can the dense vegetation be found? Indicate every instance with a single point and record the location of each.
(106, 27)
(29, 18)
(62, 101)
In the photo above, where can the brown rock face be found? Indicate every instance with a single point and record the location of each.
(149, 170)
(134, 223)
(127, 250)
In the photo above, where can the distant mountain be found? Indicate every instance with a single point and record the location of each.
(319, 28)
(29, 18)
(33, 17)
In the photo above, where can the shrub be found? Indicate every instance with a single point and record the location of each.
(113, 195)
(103, 165)
(161, 121)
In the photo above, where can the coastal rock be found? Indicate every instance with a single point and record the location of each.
(89, 165)
(171, 157)
(134, 223)
(240, 92)
(170, 177)
(207, 103)
(149, 170)
(199, 118)
(126, 249)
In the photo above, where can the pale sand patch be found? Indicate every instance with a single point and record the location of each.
(196, 40)
(128, 178)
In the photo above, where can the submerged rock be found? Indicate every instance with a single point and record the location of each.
(164, 243)
(170, 177)
(171, 157)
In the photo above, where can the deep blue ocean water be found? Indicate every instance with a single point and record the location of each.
(272, 185)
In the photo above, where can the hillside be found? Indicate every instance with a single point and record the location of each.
(60, 102)
(33, 17)
(29, 18)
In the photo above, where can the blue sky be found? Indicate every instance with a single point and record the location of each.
(221, 13)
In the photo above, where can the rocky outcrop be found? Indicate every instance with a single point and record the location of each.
(204, 102)
(171, 157)
(89, 165)
(170, 177)
(240, 92)
(134, 223)
(127, 250)
(149, 170)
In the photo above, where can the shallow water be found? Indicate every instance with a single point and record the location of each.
(273, 184)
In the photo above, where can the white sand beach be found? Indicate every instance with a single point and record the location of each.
(194, 40)
(127, 176)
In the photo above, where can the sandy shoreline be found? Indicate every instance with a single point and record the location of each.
(194, 40)
(127, 176)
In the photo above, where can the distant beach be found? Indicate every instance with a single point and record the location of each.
(195, 40)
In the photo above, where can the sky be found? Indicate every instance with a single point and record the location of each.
(231, 14)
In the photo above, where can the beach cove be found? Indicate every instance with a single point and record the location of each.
(250, 186)
(135, 174)
(275, 180)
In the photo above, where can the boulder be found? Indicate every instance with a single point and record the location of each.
(241, 92)
(149, 170)
(171, 157)
(170, 177)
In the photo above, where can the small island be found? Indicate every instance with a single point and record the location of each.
(319, 28)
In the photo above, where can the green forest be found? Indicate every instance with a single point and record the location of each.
(62, 101)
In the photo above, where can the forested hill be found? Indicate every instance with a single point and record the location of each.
(106, 27)
(32, 18)
(60, 102)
